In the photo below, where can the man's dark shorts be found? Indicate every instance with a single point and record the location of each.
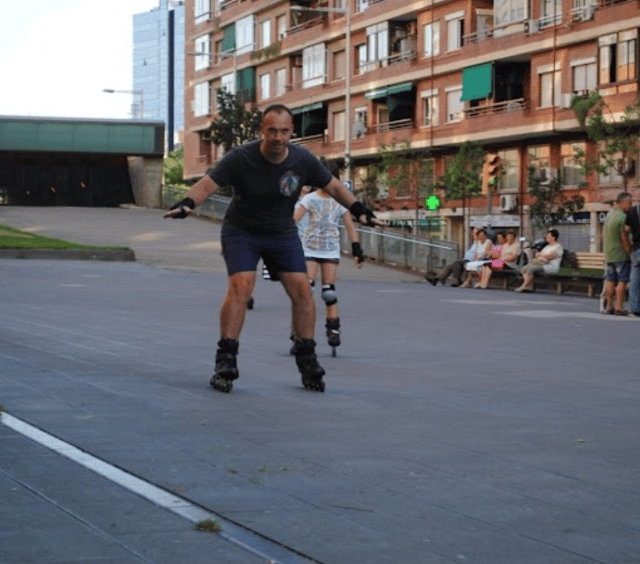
(280, 253)
(618, 271)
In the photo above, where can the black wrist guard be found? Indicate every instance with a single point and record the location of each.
(358, 209)
(184, 203)
(356, 251)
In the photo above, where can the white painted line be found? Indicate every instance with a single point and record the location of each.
(547, 314)
(243, 538)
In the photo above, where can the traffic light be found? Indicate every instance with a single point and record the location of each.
(490, 172)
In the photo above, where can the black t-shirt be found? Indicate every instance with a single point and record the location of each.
(633, 221)
(264, 194)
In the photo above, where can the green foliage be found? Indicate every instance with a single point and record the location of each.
(173, 168)
(401, 168)
(550, 204)
(208, 526)
(463, 175)
(614, 140)
(235, 124)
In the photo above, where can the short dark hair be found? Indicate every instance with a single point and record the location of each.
(278, 109)
(481, 230)
(554, 233)
(622, 197)
(511, 232)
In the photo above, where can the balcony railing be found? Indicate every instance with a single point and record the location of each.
(393, 125)
(497, 108)
(308, 139)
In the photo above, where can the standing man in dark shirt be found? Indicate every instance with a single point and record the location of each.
(632, 225)
(267, 176)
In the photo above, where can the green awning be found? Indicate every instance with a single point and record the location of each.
(246, 84)
(376, 94)
(309, 108)
(229, 39)
(477, 82)
(397, 88)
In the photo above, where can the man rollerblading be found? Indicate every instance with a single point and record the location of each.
(307, 361)
(226, 370)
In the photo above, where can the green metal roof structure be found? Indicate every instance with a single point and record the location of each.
(60, 135)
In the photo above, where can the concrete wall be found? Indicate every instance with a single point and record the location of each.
(146, 181)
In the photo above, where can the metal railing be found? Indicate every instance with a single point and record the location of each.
(404, 251)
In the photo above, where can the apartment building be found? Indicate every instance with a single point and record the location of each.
(434, 74)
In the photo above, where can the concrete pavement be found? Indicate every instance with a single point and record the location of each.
(457, 425)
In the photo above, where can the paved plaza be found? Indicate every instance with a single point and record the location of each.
(466, 426)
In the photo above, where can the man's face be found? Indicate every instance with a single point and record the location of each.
(625, 205)
(276, 129)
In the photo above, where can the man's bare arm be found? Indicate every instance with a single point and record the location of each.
(198, 193)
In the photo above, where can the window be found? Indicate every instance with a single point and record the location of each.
(202, 45)
(509, 171)
(339, 126)
(618, 56)
(509, 11)
(313, 64)
(539, 157)
(572, 175)
(430, 107)
(584, 75)
(281, 81)
(201, 11)
(550, 12)
(281, 26)
(432, 39)
(244, 35)
(378, 44)
(339, 65)
(265, 86)
(362, 58)
(360, 123)
(455, 30)
(455, 106)
(265, 34)
(362, 5)
(549, 89)
(228, 83)
(611, 176)
(201, 99)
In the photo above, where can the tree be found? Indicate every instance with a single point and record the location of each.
(463, 176)
(173, 168)
(616, 141)
(235, 125)
(404, 169)
(550, 204)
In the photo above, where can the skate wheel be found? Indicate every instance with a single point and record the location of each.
(221, 384)
(314, 385)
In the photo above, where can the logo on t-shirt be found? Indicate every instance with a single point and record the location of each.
(289, 183)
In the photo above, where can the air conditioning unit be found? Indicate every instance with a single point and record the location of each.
(531, 26)
(587, 12)
(508, 202)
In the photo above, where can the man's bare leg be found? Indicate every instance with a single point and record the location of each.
(303, 312)
(232, 314)
(234, 307)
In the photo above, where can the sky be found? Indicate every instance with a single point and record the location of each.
(57, 56)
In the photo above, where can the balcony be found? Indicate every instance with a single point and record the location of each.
(496, 108)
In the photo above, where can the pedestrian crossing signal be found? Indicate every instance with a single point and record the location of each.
(490, 173)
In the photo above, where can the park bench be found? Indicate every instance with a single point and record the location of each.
(579, 271)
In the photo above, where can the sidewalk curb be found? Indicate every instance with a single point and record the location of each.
(126, 255)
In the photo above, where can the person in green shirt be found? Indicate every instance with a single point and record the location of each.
(617, 248)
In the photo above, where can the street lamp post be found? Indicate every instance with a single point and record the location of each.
(137, 93)
(347, 82)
